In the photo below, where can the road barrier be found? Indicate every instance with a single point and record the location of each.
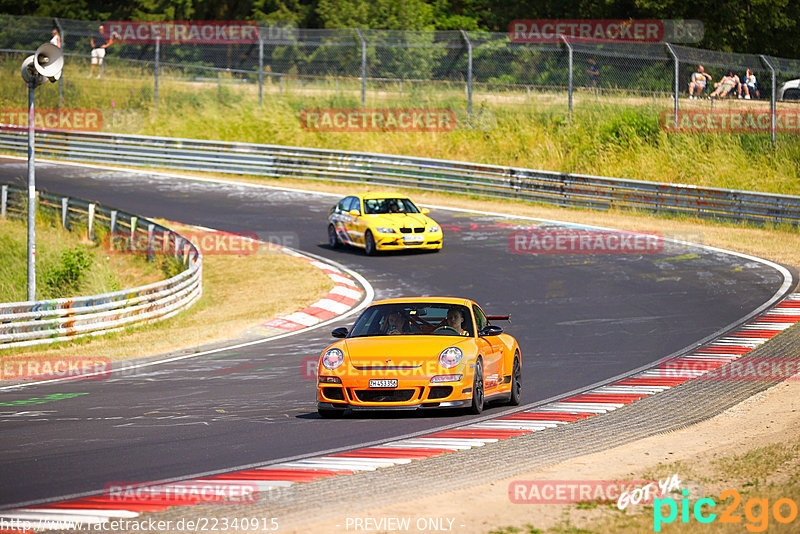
(562, 189)
(47, 321)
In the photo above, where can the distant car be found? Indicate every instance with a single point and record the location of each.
(382, 221)
(789, 90)
(417, 353)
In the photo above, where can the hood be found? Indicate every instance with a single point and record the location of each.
(401, 350)
(400, 220)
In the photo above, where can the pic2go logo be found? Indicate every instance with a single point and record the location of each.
(756, 511)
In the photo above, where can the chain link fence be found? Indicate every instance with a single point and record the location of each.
(449, 64)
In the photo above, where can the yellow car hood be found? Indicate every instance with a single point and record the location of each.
(400, 220)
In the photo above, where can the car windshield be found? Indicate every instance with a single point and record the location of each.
(414, 319)
(389, 205)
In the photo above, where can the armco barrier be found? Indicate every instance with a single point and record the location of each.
(437, 175)
(46, 321)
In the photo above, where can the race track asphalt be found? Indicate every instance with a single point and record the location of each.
(579, 319)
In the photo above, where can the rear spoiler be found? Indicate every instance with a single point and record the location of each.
(499, 317)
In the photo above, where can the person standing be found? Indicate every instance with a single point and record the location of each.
(99, 45)
(56, 38)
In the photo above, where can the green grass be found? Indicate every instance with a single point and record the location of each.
(66, 264)
(616, 136)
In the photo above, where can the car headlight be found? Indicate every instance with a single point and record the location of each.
(332, 358)
(433, 229)
(384, 230)
(450, 357)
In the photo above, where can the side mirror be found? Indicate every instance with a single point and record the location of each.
(355, 213)
(491, 330)
(424, 211)
(340, 332)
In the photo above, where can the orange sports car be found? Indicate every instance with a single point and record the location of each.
(411, 353)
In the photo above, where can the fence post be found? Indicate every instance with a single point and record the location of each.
(65, 212)
(676, 81)
(772, 97)
(260, 67)
(113, 223)
(363, 67)
(155, 89)
(90, 231)
(4, 202)
(469, 71)
(569, 47)
(150, 230)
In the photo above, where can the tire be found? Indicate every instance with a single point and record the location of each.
(478, 393)
(333, 238)
(516, 382)
(369, 244)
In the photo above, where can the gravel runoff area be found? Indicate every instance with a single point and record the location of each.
(673, 409)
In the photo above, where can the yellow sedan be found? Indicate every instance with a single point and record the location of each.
(382, 221)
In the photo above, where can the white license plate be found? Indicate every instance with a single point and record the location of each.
(414, 238)
(383, 383)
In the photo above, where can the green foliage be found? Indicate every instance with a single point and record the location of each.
(383, 14)
(63, 279)
(629, 127)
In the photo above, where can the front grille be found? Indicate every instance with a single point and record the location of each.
(384, 395)
(440, 392)
(419, 230)
(333, 393)
(410, 230)
(405, 230)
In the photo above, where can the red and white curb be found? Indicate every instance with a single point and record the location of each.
(211, 489)
(344, 296)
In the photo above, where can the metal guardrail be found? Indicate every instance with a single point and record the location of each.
(562, 189)
(47, 321)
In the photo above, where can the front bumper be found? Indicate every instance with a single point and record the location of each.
(411, 393)
(432, 241)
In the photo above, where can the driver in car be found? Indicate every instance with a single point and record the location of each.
(397, 325)
(455, 320)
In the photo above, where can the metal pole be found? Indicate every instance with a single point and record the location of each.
(155, 88)
(363, 68)
(260, 68)
(61, 79)
(31, 196)
(676, 81)
(569, 47)
(772, 98)
(469, 71)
